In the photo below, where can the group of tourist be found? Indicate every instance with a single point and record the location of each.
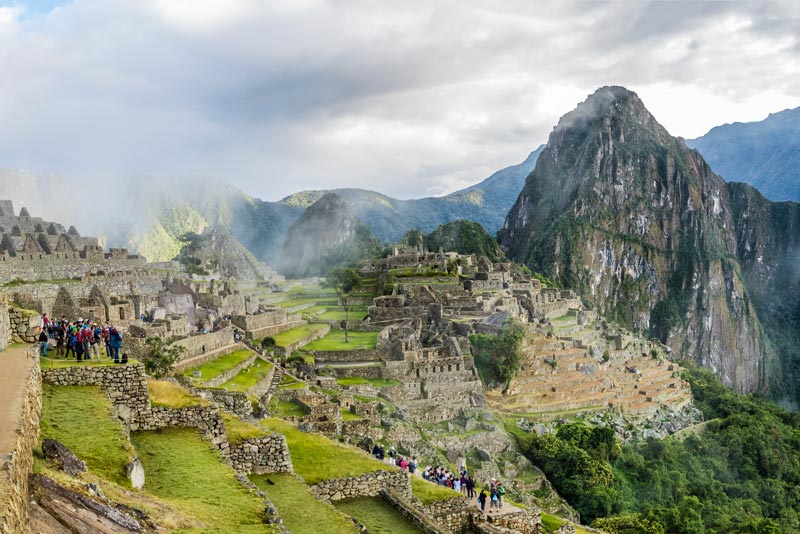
(81, 339)
(495, 496)
(395, 459)
(461, 482)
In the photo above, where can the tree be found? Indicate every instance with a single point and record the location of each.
(345, 281)
(160, 356)
(628, 524)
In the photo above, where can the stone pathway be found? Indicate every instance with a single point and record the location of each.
(15, 367)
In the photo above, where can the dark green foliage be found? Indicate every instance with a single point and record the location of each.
(268, 343)
(628, 524)
(740, 474)
(464, 237)
(497, 357)
(345, 281)
(160, 357)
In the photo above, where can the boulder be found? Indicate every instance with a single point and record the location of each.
(64, 458)
(135, 472)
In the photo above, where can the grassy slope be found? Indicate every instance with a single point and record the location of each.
(378, 516)
(247, 378)
(429, 492)
(182, 470)
(295, 334)
(316, 458)
(334, 340)
(80, 418)
(163, 393)
(300, 511)
(216, 367)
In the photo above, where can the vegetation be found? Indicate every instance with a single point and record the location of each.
(182, 470)
(214, 368)
(288, 337)
(249, 377)
(285, 408)
(81, 418)
(737, 476)
(301, 512)
(378, 516)
(336, 340)
(464, 237)
(428, 492)
(238, 430)
(160, 357)
(316, 458)
(163, 393)
(497, 357)
(345, 281)
(377, 382)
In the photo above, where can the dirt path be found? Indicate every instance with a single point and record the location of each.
(15, 366)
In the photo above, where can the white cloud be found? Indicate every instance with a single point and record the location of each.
(409, 98)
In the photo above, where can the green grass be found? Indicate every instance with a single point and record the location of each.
(60, 364)
(429, 492)
(301, 512)
(163, 393)
(378, 516)
(238, 430)
(299, 302)
(377, 382)
(249, 377)
(284, 339)
(214, 368)
(334, 340)
(81, 418)
(316, 458)
(183, 470)
(284, 408)
(339, 315)
(347, 415)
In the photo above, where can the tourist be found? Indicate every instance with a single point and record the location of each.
(43, 341)
(104, 335)
(482, 500)
(85, 338)
(463, 482)
(70, 342)
(457, 484)
(470, 487)
(500, 490)
(60, 338)
(412, 466)
(403, 463)
(97, 333)
(392, 456)
(493, 503)
(114, 342)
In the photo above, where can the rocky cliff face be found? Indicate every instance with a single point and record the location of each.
(326, 235)
(639, 224)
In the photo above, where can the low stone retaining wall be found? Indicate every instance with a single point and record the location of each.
(452, 515)
(204, 418)
(207, 357)
(233, 402)
(522, 521)
(5, 322)
(287, 350)
(125, 385)
(269, 454)
(267, 331)
(346, 356)
(16, 467)
(415, 516)
(24, 325)
(368, 485)
(194, 344)
(371, 371)
(230, 373)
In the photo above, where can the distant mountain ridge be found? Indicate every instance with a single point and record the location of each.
(764, 154)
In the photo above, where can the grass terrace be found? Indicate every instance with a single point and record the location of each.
(347, 415)
(249, 377)
(299, 302)
(339, 315)
(164, 393)
(57, 363)
(185, 472)
(284, 339)
(377, 382)
(213, 369)
(334, 340)
(238, 430)
(301, 512)
(316, 458)
(81, 418)
(430, 492)
(286, 408)
(378, 516)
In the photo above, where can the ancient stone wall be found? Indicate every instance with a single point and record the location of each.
(230, 373)
(452, 515)
(522, 521)
(339, 356)
(125, 385)
(23, 325)
(16, 467)
(269, 454)
(408, 510)
(233, 402)
(204, 418)
(194, 345)
(368, 485)
(60, 266)
(5, 322)
(288, 349)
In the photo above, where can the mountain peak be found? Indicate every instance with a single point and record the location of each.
(608, 102)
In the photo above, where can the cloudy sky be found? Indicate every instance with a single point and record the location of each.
(410, 98)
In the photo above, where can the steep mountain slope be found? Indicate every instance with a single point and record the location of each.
(764, 154)
(639, 224)
(326, 235)
(217, 250)
(486, 203)
(464, 237)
